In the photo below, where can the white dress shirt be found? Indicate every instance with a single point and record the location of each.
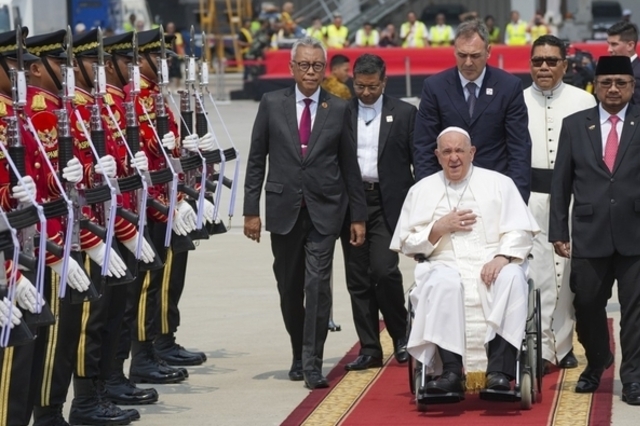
(605, 124)
(300, 105)
(478, 81)
(368, 138)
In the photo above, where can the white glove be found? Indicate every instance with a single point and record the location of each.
(107, 166)
(207, 142)
(169, 141)
(208, 211)
(77, 278)
(146, 254)
(116, 267)
(27, 296)
(22, 190)
(9, 314)
(185, 219)
(140, 162)
(190, 142)
(73, 172)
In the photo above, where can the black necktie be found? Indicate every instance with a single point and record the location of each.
(471, 100)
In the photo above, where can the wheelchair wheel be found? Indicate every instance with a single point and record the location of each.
(526, 391)
(539, 364)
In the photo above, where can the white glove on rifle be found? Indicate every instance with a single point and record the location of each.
(77, 278)
(185, 219)
(140, 162)
(22, 190)
(27, 296)
(169, 141)
(146, 254)
(116, 267)
(73, 172)
(190, 142)
(208, 211)
(9, 314)
(207, 142)
(106, 166)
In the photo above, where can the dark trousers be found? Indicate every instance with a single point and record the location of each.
(16, 378)
(101, 323)
(56, 347)
(302, 267)
(591, 281)
(175, 271)
(374, 280)
(501, 356)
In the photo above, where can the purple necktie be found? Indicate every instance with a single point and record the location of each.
(305, 126)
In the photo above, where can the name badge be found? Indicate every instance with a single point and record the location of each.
(489, 91)
(389, 118)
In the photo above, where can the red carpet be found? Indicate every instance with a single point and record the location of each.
(385, 399)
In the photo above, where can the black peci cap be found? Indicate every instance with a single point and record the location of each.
(610, 65)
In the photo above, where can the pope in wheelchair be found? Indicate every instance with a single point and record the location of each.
(471, 232)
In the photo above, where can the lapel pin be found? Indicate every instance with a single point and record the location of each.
(389, 118)
(489, 91)
(632, 123)
(324, 105)
(593, 126)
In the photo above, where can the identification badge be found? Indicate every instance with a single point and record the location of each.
(489, 91)
(389, 118)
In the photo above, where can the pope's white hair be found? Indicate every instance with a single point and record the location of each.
(453, 129)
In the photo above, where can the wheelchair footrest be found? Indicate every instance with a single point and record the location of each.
(445, 398)
(504, 396)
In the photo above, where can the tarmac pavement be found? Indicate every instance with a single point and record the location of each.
(230, 310)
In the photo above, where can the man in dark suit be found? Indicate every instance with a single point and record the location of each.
(485, 101)
(313, 178)
(622, 38)
(383, 137)
(597, 164)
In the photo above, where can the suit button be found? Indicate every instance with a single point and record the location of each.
(37, 165)
(613, 201)
(613, 180)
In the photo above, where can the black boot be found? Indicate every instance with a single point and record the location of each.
(48, 416)
(146, 367)
(87, 408)
(120, 390)
(174, 354)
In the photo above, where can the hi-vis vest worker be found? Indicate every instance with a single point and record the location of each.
(336, 37)
(367, 40)
(516, 34)
(413, 32)
(441, 35)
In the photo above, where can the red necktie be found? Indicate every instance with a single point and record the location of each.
(611, 148)
(304, 131)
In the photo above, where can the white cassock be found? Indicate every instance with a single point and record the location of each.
(550, 272)
(465, 322)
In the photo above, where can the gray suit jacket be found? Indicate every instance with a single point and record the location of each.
(606, 210)
(328, 177)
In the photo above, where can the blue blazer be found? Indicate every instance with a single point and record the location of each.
(498, 128)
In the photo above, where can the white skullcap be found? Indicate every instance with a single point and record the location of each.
(454, 129)
(626, 12)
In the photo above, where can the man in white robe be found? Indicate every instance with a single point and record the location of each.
(549, 101)
(474, 232)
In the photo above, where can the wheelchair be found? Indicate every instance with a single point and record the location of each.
(529, 366)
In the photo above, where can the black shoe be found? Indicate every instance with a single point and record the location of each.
(498, 382)
(174, 354)
(590, 378)
(363, 362)
(546, 367)
(120, 390)
(88, 408)
(448, 382)
(631, 393)
(315, 380)
(400, 350)
(569, 361)
(146, 367)
(295, 373)
(48, 416)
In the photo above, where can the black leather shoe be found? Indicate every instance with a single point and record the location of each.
(569, 361)
(295, 373)
(498, 381)
(546, 367)
(174, 354)
(590, 378)
(400, 351)
(88, 408)
(631, 393)
(448, 382)
(48, 416)
(146, 367)
(119, 390)
(363, 362)
(315, 380)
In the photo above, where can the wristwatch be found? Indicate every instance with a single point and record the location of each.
(509, 258)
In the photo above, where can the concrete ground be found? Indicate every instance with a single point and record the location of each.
(230, 311)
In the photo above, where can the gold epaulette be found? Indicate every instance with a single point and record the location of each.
(78, 99)
(3, 109)
(108, 99)
(38, 103)
(144, 84)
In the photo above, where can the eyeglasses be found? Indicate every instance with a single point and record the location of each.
(620, 84)
(304, 66)
(552, 61)
(371, 87)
